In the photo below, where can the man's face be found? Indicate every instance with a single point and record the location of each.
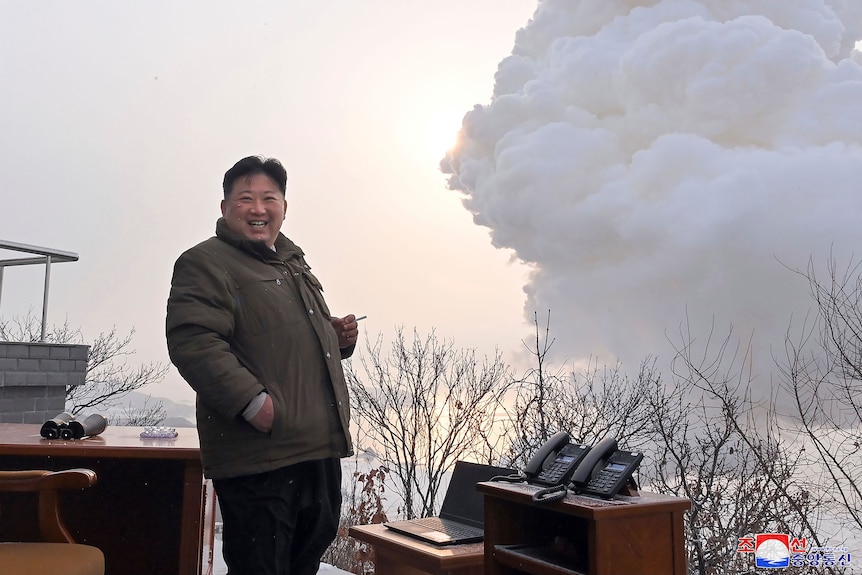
(255, 208)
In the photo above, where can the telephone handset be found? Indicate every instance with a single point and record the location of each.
(552, 466)
(605, 470)
(554, 462)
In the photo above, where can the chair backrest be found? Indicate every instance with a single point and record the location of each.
(47, 484)
(58, 552)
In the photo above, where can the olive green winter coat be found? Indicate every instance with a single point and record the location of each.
(241, 319)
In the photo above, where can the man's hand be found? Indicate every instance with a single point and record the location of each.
(347, 330)
(263, 420)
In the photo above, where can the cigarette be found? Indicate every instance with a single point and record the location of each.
(360, 318)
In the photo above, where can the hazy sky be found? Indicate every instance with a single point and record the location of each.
(118, 121)
(644, 159)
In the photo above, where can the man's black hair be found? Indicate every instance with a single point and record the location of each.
(253, 165)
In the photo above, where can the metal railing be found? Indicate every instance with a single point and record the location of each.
(45, 256)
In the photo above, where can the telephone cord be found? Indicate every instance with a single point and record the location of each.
(555, 493)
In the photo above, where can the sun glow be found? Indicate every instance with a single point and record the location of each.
(441, 131)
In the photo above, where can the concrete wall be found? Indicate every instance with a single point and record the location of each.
(34, 376)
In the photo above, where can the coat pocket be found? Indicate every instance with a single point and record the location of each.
(266, 305)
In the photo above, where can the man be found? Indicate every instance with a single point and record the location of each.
(249, 330)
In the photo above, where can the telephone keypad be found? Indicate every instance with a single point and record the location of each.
(604, 481)
(561, 468)
(614, 475)
(555, 472)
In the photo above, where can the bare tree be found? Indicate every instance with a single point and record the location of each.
(424, 406)
(142, 416)
(739, 483)
(109, 376)
(748, 464)
(822, 374)
(588, 404)
(28, 329)
(725, 450)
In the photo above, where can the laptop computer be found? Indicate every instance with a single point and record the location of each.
(462, 516)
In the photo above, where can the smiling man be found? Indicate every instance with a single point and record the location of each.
(249, 330)
(255, 208)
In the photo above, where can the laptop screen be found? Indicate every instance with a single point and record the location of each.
(463, 502)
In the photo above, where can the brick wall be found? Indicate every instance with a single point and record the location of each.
(34, 376)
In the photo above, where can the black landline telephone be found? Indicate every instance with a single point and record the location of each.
(602, 470)
(555, 461)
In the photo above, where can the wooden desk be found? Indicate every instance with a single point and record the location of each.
(151, 511)
(582, 535)
(397, 554)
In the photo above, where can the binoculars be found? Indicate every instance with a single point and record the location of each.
(65, 426)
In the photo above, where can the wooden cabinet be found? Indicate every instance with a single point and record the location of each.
(581, 535)
(396, 554)
(150, 512)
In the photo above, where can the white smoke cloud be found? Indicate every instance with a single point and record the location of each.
(654, 161)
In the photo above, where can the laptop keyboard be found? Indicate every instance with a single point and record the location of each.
(449, 527)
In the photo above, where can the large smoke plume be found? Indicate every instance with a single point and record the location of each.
(669, 162)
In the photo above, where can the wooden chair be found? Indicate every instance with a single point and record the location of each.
(58, 552)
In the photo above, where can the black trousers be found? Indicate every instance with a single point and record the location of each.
(280, 522)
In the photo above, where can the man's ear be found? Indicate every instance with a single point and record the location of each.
(222, 208)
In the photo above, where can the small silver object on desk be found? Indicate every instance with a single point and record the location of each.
(154, 432)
